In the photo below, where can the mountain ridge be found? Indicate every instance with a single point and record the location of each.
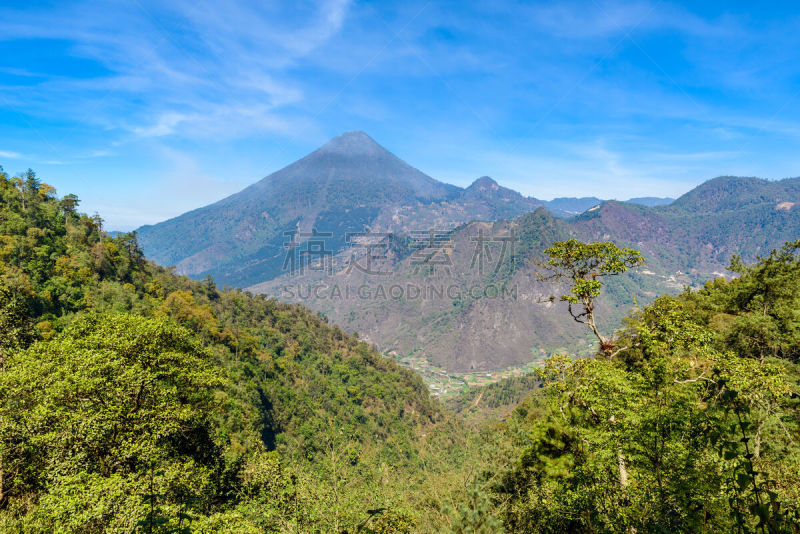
(682, 248)
(349, 184)
(352, 185)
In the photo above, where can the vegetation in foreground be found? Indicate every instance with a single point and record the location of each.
(685, 421)
(132, 399)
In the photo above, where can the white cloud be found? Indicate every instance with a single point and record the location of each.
(173, 70)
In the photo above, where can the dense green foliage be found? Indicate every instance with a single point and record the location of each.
(131, 398)
(495, 400)
(692, 425)
(85, 416)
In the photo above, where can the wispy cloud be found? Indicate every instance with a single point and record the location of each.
(609, 96)
(603, 18)
(176, 69)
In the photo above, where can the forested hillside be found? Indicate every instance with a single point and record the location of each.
(132, 398)
(135, 400)
(687, 421)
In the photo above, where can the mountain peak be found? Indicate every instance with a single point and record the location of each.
(484, 182)
(730, 192)
(353, 143)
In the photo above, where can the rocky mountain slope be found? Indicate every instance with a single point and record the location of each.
(348, 185)
(464, 303)
(468, 302)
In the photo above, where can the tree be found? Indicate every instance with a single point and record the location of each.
(69, 203)
(685, 431)
(86, 418)
(583, 265)
(15, 325)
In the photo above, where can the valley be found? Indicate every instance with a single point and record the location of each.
(431, 271)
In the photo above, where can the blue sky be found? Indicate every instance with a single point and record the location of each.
(148, 109)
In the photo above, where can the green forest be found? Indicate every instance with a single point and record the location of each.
(136, 400)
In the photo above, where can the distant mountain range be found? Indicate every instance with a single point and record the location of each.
(566, 207)
(470, 324)
(651, 201)
(351, 217)
(698, 232)
(446, 306)
(349, 184)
